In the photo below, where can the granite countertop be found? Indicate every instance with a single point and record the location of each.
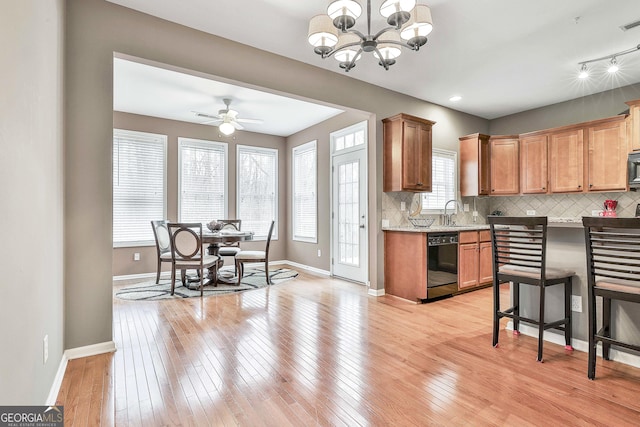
(553, 222)
(439, 228)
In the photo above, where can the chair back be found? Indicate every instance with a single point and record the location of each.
(613, 250)
(266, 249)
(233, 224)
(519, 246)
(161, 234)
(186, 241)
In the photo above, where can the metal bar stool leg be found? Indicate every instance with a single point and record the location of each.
(591, 371)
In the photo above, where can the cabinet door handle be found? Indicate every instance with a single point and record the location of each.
(579, 186)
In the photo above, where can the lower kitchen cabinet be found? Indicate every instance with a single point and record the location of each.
(405, 264)
(474, 260)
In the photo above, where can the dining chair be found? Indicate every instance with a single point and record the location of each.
(230, 249)
(255, 256)
(187, 253)
(613, 273)
(519, 247)
(163, 244)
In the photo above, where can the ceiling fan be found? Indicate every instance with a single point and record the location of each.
(227, 119)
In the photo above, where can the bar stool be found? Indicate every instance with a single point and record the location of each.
(519, 256)
(613, 273)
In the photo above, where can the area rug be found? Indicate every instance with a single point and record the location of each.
(254, 278)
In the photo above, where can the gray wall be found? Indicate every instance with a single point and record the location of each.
(123, 263)
(95, 30)
(304, 252)
(32, 200)
(583, 109)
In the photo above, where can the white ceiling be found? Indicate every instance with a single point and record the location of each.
(501, 56)
(170, 94)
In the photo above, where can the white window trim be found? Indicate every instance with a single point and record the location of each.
(205, 144)
(239, 148)
(363, 125)
(163, 140)
(447, 153)
(312, 145)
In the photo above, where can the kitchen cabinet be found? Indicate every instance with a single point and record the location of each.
(533, 164)
(607, 154)
(405, 264)
(566, 160)
(475, 263)
(633, 124)
(505, 161)
(407, 153)
(474, 165)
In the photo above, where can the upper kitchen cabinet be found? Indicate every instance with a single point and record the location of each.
(633, 124)
(505, 178)
(607, 154)
(566, 160)
(533, 163)
(407, 153)
(475, 176)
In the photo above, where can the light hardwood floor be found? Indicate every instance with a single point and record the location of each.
(319, 351)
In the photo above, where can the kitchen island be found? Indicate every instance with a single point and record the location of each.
(422, 264)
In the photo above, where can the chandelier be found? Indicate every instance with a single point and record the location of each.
(332, 34)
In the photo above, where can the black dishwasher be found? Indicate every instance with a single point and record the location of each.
(442, 265)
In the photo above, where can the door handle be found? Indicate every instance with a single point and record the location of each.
(361, 225)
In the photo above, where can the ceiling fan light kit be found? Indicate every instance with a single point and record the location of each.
(333, 34)
(612, 67)
(227, 119)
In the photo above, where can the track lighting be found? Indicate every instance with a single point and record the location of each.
(613, 62)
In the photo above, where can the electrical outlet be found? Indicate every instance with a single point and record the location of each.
(465, 207)
(475, 214)
(136, 256)
(576, 303)
(531, 212)
(403, 206)
(319, 252)
(45, 349)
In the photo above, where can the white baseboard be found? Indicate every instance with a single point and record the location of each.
(304, 267)
(165, 274)
(75, 353)
(580, 345)
(376, 292)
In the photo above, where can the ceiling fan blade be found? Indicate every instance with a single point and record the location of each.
(256, 121)
(210, 116)
(213, 121)
(237, 125)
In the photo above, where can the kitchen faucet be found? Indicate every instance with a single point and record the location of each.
(447, 218)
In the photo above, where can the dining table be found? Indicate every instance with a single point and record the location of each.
(215, 239)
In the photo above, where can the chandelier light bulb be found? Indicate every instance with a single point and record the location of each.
(226, 128)
(613, 68)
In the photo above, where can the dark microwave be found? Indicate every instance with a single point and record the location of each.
(633, 164)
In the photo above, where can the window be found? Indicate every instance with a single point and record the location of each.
(350, 137)
(139, 186)
(257, 189)
(304, 209)
(443, 181)
(202, 171)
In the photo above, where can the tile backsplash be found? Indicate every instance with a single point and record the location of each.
(565, 205)
(551, 205)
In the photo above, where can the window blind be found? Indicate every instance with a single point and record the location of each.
(139, 185)
(257, 189)
(305, 192)
(443, 181)
(203, 180)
